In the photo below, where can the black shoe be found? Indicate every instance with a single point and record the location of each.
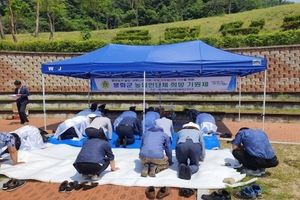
(80, 185)
(90, 186)
(118, 142)
(71, 186)
(225, 194)
(63, 186)
(5, 185)
(213, 196)
(181, 172)
(16, 184)
(186, 192)
(124, 141)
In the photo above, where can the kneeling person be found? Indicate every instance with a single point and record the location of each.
(95, 156)
(155, 152)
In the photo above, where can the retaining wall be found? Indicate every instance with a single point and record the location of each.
(283, 74)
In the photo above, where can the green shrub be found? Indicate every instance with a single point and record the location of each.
(133, 35)
(291, 18)
(85, 34)
(236, 24)
(258, 23)
(291, 25)
(241, 31)
(182, 32)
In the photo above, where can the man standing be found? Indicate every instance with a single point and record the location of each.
(22, 93)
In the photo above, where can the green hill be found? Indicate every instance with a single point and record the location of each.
(209, 26)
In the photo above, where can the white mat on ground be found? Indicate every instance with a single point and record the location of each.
(54, 164)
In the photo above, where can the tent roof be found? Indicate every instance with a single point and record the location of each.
(186, 59)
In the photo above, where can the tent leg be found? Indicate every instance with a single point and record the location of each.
(44, 103)
(240, 97)
(264, 101)
(144, 101)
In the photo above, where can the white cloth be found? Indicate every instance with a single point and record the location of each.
(127, 113)
(104, 123)
(167, 125)
(79, 123)
(31, 138)
(55, 164)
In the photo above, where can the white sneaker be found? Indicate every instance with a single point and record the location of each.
(85, 176)
(95, 177)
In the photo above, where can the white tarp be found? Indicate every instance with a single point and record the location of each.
(54, 164)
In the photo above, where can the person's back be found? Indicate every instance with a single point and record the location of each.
(167, 126)
(104, 123)
(127, 113)
(30, 137)
(256, 143)
(207, 123)
(150, 118)
(154, 143)
(79, 124)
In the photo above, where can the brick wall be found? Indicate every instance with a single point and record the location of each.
(283, 74)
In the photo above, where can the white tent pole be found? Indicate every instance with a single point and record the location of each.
(264, 101)
(89, 95)
(144, 100)
(44, 102)
(240, 96)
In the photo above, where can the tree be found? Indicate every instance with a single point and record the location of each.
(37, 15)
(54, 9)
(50, 20)
(134, 5)
(12, 25)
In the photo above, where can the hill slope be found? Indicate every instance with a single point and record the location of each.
(209, 26)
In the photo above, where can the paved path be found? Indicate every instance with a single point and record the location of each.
(277, 132)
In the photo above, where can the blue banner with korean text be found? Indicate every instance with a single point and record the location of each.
(191, 84)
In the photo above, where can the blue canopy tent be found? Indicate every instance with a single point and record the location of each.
(186, 59)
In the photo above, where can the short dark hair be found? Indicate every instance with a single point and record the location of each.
(17, 82)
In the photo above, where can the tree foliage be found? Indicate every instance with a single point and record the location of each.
(78, 15)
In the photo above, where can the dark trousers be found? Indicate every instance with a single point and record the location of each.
(91, 168)
(125, 131)
(93, 132)
(252, 162)
(189, 150)
(21, 112)
(68, 134)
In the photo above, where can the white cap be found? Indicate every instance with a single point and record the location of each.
(92, 115)
(192, 124)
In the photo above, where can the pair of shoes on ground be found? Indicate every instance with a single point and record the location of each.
(68, 187)
(124, 142)
(250, 172)
(252, 192)
(226, 135)
(162, 192)
(148, 169)
(184, 172)
(222, 194)
(13, 184)
(186, 192)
